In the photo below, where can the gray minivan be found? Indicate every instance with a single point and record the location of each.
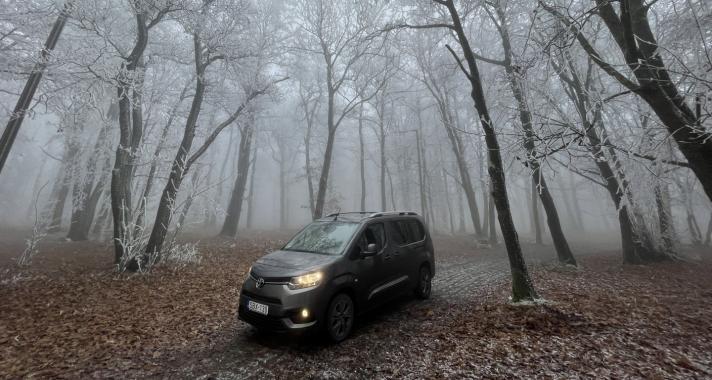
(335, 268)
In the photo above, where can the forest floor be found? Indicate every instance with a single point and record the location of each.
(69, 315)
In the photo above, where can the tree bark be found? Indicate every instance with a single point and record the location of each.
(536, 220)
(140, 218)
(84, 207)
(458, 150)
(522, 288)
(362, 160)
(251, 191)
(282, 188)
(382, 146)
(539, 186)
(708, 235)
(328, 152)
(451, 219)
(632, 33)
(129, 137)
(422, 169)
(460, 214)
(667, 228)
(189, 201)
(234, 209)
(28, 93)
(60, 190)
(181, 162)
(491, 215)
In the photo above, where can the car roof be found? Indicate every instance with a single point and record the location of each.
(360, 216)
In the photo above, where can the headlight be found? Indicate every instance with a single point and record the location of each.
(308, 280)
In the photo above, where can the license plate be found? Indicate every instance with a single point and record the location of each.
(257, 307)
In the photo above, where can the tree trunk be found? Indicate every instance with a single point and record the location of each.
(460, 214)
(458, 151)
(632, 33)
(487, 204)
(189, 201)
(422, 170)
(536, 221)
(59, 193)
(382, 145)
(522, 288)
(308, 170)
(491, 215)
(181, 162)
(393, 195)
(282, 188)
(84, 205)
(140, 218)
(570, 211)
(102, 222)
(251, 191)
(695, 234)
(234, 209)
(451, 218)
(129, 137)
(708, 235)
(667, 228)
(362, 159)
(634, 247)
(28, 93)
(575, 202)
(328, 152)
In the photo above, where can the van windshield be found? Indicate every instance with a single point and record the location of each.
(329, 238)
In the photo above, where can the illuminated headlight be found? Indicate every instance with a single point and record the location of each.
(308, 280)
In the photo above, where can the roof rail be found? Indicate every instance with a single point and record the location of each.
(392, 213)
(350, 212)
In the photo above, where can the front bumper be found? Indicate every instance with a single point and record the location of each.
(284, 307)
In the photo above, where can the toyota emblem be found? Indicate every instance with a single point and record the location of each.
(260, 282)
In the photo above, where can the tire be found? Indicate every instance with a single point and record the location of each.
(424, 285)
(340, 317)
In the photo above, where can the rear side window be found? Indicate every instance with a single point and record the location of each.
(408, 231)
(417, 232)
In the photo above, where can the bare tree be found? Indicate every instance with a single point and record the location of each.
(28, 93)
(522, 288)
(630, 29)
(341, 34)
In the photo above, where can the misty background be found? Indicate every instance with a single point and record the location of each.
(397, 95)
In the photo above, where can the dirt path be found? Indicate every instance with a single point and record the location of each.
(459, 279)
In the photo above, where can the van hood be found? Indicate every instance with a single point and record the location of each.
(283, 265)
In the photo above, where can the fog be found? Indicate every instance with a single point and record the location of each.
(251, 88)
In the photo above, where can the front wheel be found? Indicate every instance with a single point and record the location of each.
(340, 317)
(424, 286)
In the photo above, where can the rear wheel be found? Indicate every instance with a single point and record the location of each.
(340, 317)
(424, 286)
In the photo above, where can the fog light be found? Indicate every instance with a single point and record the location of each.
(305, 313)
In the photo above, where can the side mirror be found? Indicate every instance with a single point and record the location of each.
(371, 250)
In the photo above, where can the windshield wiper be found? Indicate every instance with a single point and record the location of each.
(299, 250)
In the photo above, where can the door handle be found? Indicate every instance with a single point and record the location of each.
(396, 253)
(387, 256)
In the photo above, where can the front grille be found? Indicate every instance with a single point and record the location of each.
(270, 280)
(261, 321)
(258, 297)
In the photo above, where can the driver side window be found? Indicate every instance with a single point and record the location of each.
(373, 234)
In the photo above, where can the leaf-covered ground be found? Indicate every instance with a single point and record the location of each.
(70, 316)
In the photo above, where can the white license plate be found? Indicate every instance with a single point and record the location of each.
(257, 307)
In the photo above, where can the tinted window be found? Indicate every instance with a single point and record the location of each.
(323, 237)
(408, 231)
(400, 232)
(373, 234)
(417, 232)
